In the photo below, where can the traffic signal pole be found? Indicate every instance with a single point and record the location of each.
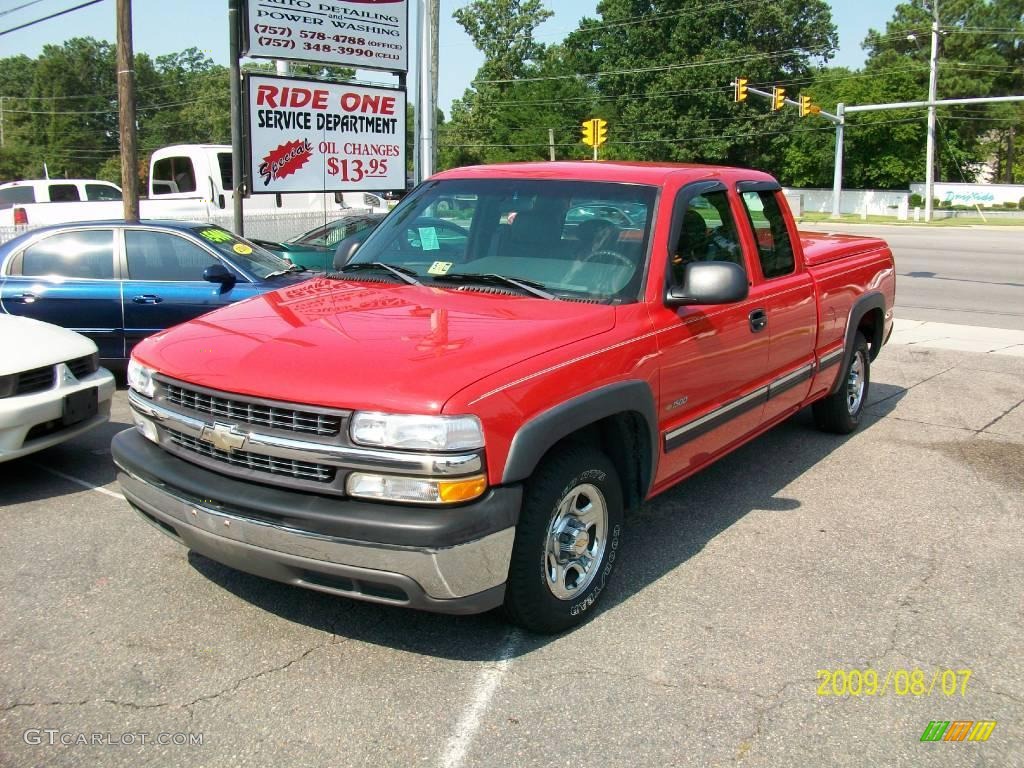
(840, 122)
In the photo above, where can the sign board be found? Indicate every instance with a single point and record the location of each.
(368, 34)
(314, 136)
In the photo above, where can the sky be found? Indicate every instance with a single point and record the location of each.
(169, 26)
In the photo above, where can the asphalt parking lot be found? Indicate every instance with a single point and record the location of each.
(899, 548)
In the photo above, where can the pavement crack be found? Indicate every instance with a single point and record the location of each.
(27, 704)
(1001, 416)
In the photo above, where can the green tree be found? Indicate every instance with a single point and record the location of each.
(662, 69)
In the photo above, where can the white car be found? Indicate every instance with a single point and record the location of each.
(51, 386)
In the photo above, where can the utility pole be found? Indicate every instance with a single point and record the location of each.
(933, 82)
(234, 53)
(2, 122)
(551, 142)
(426, 98)
(126, 111)
(435, 32)
(837, 176)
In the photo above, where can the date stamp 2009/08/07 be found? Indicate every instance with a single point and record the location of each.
(896, 682)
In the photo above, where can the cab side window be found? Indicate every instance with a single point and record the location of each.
(708, 233)
(177, 171)
(774, 248)
(64, 193)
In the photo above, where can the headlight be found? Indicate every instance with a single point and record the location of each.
(415, 490)
(432, 433)
(140, 378)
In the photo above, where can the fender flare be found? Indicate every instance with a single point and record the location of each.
(866, 303)
(537, 436)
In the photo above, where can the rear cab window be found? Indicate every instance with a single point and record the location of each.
(64, 193)
(102, 192)
(768, 223)
(20, 195)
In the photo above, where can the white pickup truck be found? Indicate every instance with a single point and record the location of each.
(186, 181)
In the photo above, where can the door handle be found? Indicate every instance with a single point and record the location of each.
(148, 298)
(758, 320)
(25, 298)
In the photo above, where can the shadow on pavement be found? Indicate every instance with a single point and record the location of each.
(690, 515)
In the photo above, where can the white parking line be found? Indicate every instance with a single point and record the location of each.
(79, 481)
(486, 686)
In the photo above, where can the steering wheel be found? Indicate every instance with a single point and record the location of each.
(615, 257)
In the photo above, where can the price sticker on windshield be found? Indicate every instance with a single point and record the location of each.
(242, 249)
(428, 239)
(440, 268)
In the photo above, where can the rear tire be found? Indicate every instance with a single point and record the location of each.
(841, 411)
(566, 541)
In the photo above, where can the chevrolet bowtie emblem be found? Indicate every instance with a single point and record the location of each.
(223, 436)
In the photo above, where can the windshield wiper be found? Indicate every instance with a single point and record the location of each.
(291, 268)
(529, 286)
(402, 273)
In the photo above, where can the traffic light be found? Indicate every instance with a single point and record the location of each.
(588, 132)
(778, 98)
(595, 132)
(805, 106)
(740, 89)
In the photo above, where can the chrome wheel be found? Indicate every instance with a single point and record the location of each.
(855, 383)
(576, 540)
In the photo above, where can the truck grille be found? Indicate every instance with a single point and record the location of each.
(299, 470)
(275, 417)
(36, 380)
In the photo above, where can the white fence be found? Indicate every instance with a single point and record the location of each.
(875, 202)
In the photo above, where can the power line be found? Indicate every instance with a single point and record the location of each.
(51, 16)
(19, 7)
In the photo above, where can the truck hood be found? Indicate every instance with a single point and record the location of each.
(363, 345)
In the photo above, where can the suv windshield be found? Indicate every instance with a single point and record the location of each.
(257, 261)
(574, 239)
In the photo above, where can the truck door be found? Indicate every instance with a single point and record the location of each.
(789, 306)
(67, 279)
(715, 357)
(165, 284)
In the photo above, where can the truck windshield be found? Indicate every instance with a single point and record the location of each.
(255, 260)
(574, 239)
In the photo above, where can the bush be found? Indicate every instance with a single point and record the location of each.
(916, 201)
(1010, 206)
(1020, 203)
(936, 203)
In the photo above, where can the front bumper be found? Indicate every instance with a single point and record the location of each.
(444, 560)
(21, 415)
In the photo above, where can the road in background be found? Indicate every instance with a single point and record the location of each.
(964, 276)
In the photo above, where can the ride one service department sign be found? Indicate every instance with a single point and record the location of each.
(312, 136)
(369, 34)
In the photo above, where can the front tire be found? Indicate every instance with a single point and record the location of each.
(566, 541)
(841, 411)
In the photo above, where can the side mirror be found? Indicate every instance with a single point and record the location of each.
(345, 252)
(218, 273)
(709, 282)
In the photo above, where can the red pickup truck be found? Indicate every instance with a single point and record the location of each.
(460, 417)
